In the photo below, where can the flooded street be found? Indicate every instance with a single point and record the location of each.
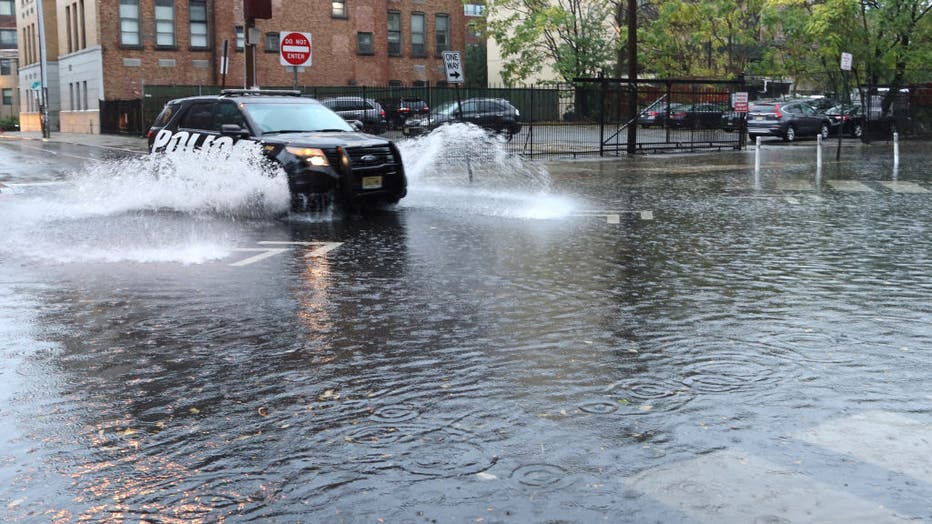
(661, 339)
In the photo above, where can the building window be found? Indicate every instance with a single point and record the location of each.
(442, 33)
(74, 24)
(85, 95)
(71, 96)
(473, 10)
(129, 22)
(417, 35)
(8, 38)
(77, 102)
(394, 33)
(83, 26)
(7, 97)
(6, 8)
(338, 8)
(164, 23)
(68, 26)
(240, 38)
(6, 66)
(197, 13)
(364, 44)
(272, 42)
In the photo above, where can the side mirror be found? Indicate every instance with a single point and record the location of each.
(233, 130)
(356, 125)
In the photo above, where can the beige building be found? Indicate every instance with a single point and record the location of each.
(31, 16)
(9, 61)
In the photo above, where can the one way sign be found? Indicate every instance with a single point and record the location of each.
(453, 66)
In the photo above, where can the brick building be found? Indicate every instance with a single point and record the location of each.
(111, 49)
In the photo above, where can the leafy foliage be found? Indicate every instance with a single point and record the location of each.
(802, 40)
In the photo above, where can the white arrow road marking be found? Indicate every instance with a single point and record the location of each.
(733, 486)
(613, 217)
(265, 252)
(889, 440)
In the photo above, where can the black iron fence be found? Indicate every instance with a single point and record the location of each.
(593, 116)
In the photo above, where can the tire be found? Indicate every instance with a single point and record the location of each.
(825, 131)
(858, 131)
(790, 135)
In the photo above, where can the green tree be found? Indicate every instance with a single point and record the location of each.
(577, 37)
(702, 38)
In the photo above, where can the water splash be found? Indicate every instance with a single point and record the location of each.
(461, 167)
(141, 209)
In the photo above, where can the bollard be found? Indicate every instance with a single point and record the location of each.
(757, 157)
(896, 150)
(819, 152)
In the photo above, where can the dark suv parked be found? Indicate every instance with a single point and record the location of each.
(397, 110)
(365, 110)
(494, 114)
(788, 120)
(320, 152)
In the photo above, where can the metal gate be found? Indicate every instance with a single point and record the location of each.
(663, 115)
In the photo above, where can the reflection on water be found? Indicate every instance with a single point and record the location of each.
(456, 366)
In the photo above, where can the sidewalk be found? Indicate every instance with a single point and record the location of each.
(136, 144)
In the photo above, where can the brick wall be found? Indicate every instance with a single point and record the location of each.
(335, 59)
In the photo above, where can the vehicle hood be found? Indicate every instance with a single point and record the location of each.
(324, 139)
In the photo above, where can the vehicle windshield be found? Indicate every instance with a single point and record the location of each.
(294, 118)
(446, 108)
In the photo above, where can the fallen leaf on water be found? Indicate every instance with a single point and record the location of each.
(263, 411)
(646, 407)
(194, 411)
(486, 476)
(623, 401)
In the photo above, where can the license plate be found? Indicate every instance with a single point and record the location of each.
(371, 182)
(758, 118)
(406, 131)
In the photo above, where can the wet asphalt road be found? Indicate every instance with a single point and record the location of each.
(663, 339)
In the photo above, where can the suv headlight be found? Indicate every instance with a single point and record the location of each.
(314, 156)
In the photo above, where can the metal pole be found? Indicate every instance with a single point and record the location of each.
(819, 156)
(757, 158)
(43, 64)
(633, 74)
(250, 54)
(896, 150)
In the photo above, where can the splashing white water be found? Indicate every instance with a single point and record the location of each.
(461, 167)
(141, 209)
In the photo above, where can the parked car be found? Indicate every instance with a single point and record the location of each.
(733, 120)
(319, 151)
(656, 114)
(365, 110)
(397, 110)
(787, 120)
(494, 114)
(847, 119)
(698, 116)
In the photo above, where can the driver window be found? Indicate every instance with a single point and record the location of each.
(228, 113)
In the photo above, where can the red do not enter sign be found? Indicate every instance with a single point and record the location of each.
(295, 49)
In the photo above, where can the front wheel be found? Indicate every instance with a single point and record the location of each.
(824, 132)
(858, 131)
(790, 134)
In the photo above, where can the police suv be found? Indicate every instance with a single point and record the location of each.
(323, 156)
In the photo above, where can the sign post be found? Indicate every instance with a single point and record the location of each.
(845, 67)
(453, 66)
(295, 51)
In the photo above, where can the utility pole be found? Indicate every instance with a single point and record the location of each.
(43, 64)
(253, 9)
(633, 75)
